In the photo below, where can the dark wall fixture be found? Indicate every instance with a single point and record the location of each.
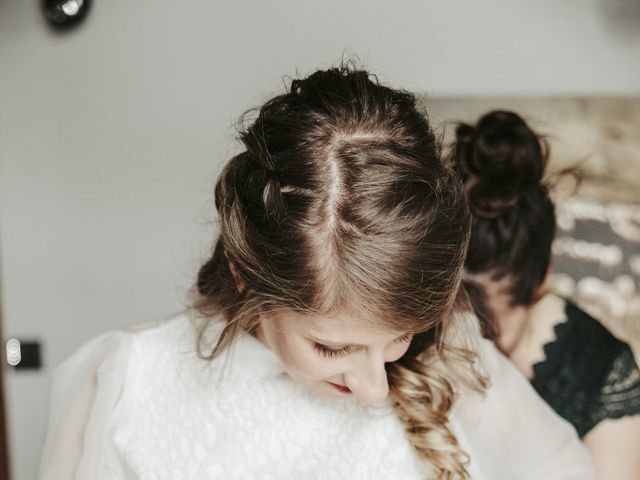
(65, 14)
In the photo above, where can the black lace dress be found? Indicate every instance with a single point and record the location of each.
(588, 375)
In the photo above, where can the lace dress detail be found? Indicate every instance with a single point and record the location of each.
(588, 375)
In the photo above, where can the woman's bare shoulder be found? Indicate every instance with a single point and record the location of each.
(544, 316)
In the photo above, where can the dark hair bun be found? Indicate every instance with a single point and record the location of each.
(500, 158)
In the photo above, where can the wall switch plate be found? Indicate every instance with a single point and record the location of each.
(23, 354)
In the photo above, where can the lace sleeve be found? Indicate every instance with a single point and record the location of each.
(588, 375)
(620, 392)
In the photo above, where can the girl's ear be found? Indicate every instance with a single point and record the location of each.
(544, 286)
(240, 283)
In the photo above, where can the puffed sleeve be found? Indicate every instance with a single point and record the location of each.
(513, 434)
(85, 393)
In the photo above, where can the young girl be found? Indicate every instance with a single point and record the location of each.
(330, 340)
(585, 373)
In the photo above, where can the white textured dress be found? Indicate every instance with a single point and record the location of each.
(142, 405)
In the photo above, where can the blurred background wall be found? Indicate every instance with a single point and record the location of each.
(111, 135)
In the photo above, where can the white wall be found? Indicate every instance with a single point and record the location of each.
(111, 135)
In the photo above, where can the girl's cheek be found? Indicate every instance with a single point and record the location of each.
(307, 362)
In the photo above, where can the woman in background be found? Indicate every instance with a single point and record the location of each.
(329, 338)
(585, 373)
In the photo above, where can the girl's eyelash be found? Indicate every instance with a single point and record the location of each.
(331, 353)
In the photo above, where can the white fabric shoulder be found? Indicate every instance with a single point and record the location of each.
(86, 394)
(93, 389)
(512, 432)
(85, 391)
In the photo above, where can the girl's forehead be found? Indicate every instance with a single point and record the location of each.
(339, 326)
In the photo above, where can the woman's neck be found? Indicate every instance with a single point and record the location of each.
(511, 321)
(513, 327)
(526, 329)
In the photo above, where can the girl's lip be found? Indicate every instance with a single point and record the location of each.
(340, 388)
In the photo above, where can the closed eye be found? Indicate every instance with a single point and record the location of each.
(341, 352)
(331, 352)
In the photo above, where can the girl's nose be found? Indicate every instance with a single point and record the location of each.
(368, 381)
